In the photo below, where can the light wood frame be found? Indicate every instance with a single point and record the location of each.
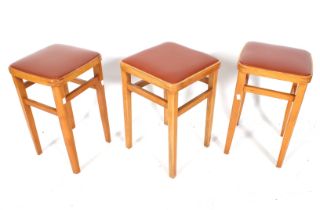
(294, 98)
(169, 102)
(62, 98)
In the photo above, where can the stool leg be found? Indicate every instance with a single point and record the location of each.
(69, 108)
(238, 98)
(242, 101)
(103, 111)
(172, 126)
(165, 113)
(210, 106)
(102, 103)
(27, 113)
(291, 122)
(58, 93)
(288, 109)
(126, 79)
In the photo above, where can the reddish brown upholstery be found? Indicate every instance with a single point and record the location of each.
(55, 61)
(170, 62)
(277, 58)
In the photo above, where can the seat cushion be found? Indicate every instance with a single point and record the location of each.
(277, 58)
(170, 62)
(55, 61)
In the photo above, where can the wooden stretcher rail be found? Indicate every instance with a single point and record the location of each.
(148, 95)
(82, 88)
(28, 84)
(41, 106)
(193, 102)
(267, 92)
(204, 80)
(141, 83)
(79, 81)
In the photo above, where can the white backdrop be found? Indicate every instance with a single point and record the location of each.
(116, 178)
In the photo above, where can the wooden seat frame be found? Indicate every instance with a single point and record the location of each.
(62, 98)
(169, 102)
(294, 98)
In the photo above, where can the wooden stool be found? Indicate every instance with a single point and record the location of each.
(277, 62)
(172, 67)
(55, 66)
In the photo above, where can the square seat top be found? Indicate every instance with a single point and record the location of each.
(277, 58)
(54, 61)
(170, 62)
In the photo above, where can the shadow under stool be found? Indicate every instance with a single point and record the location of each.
(276, 62)
(55, 66)
(171, 67)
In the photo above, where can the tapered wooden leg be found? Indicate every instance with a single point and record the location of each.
(165, 112)
(103, 111)
(288, 109)
(285, 120)
(58, 93)
(210, 106)
(102, 103)
(242, 101)
(69, 109)
(238, 97)
(126, 79)
(291, 122)
(22, 93)
(172, 126)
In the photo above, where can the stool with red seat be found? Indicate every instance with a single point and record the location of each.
(171, 67)
(55, 66)
(276, 62)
